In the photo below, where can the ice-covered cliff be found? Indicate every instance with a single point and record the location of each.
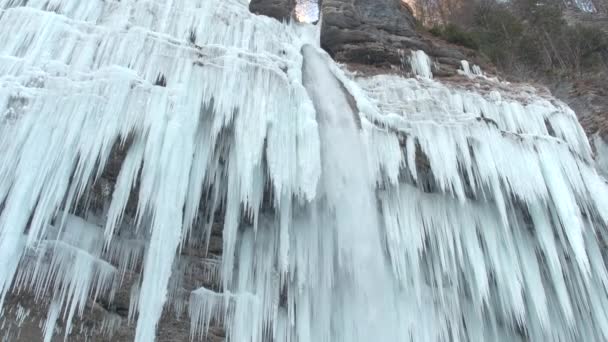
(351, 207)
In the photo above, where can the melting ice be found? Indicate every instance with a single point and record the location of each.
(352, 208)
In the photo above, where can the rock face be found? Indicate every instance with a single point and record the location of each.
(366, 31)
(281, 10)
(587, 93)
(380, 33)
(588, 97)
(377, 33)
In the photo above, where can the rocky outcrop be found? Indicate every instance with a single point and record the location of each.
(588, 97)
(381, 33)
(372, 33)
(367, 32)
(281, 10)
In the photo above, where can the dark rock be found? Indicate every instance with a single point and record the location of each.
(281, 10)
(381, 33)
(587, 95)
(366, 31)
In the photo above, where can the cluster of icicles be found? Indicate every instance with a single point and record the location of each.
(352, 208)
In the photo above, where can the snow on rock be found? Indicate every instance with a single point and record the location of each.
(353, 208)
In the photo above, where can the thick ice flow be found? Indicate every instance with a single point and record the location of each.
(363, 288)
(350, 207)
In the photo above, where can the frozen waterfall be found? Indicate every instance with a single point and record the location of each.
(201, 163)
(363, 289)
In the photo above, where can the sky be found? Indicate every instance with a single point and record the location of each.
(307, 10)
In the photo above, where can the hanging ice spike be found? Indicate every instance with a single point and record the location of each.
(195, 158)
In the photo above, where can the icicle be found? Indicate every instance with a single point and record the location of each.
(601, 158)
(352, 208)
(207, 306)
(167, 200)
(111, 322)
(51, 320)
(421, 64)
(74, 272)
(470, 71)
(133, 301)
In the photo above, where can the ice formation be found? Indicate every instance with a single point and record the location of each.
(582, 5)
(601, 159)
(353, 208)
(470, 71)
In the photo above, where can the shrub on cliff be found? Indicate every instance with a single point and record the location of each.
(525, 37)
(455, 35)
